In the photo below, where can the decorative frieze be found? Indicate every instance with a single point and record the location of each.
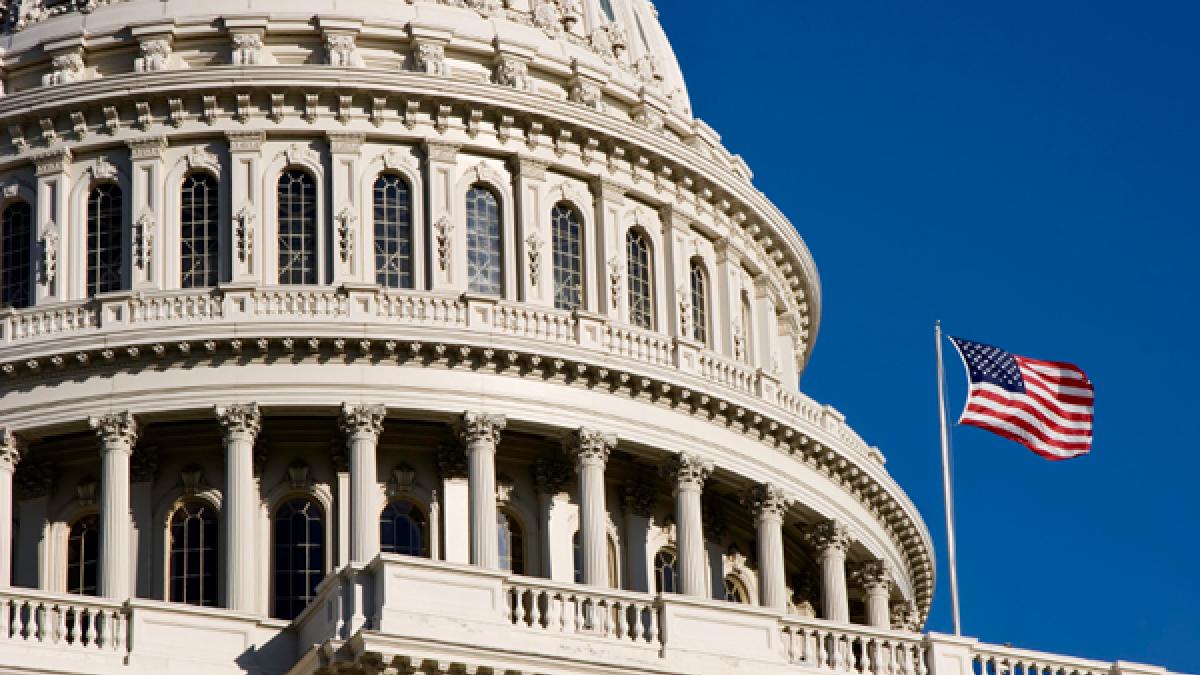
(429, 58)
(451, 461)
(34, 480)
(155, 55)
(143, 465)
(639, 496)
(512, 72)
(66, 68)
(341, 49)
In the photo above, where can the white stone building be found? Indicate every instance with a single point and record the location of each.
(349, 336)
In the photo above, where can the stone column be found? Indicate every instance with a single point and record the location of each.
(362, 425)
(831, 539)
(456, 508)
(876, 580)
(590, 449)
(689, 473)
(480, 432)
(241, 424)
(118, 433)
(769, 505)
(11, 448)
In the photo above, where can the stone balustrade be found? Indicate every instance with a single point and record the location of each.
(569, 609)
(71, 622)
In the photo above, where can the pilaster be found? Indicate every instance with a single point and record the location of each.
(243, 245)
(145, 180)
(11, 449)
(456, 505)
(446, 272)
(351, 262)
(606, 269)
(50, 226)
(638, 496)
(535, 279)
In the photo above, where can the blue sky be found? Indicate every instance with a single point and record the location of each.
(1029, 173)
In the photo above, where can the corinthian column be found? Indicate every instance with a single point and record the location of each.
(241, 424)
(480, 432)
(689, 473)
(10, 453)
(362, 425)
(876, 580)
(831, 539)
(590, 449)
(118, 434)
(769, 506)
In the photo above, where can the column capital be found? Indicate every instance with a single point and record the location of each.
(239, 418)
(12, 447)
(117, 431)
(830, 536)
(872, 575)
(590, 447)
(362, 419)
(688, 471)
(436, 151)
(474, 427)
(906, 617)
(767, 500)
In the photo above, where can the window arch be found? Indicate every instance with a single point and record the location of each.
(198, 217)
(297, 221)
(511, 543)
(299, 541)
(105, 206)
(485, 246)
(404, 529)
(567, 243)
(641, 285)
(193, 558)
(614, 580)
(83, 555)
(666, 571)
(699, 285)
(393, 231)
(735, 590)
(15, 242)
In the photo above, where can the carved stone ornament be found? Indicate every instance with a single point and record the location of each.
(243, 232)
(506, 489)
(906, 617)
(429, 58)
(829, 536)
(588, 93)
(451, 462)
(247, 49)
(551, 475)
(199, 158)
(403, 480)
(49, 250)
(362, 418)
(533, 245)
(143, 239)
(155, 54)
(345, 229)
(239, 419)
(649, 118)
(512, 72)
(85, 491)
(872, 575)
(572, 13)
(299, 475)
(116, 431)
(442, 229)
(479, 427)
(342, 50)
(687, 471)
(684, 301)
(589, 446)
(394, 159)
(11, 449)
(614, 281)
(768, 501)
(298, 153)
(191, 480)
(66, 68)
(102, 169)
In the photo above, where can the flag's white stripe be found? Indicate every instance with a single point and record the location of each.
(1054, 387)
(1031, 438)
(1054, 371)
(1058, 405)
(1075, 432)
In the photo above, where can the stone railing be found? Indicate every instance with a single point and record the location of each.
(541, 605)
(819, 645)
(995, 660)
(65, 622)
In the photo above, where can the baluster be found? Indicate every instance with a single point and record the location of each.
(622, 613)
(519, 608)
(637, 629)
(120, 625)
(824, 658)
(57, 624)
(652, 632)
(921, 667)
(578, 618)
(552, 620)
(535, 609)
(6, 622)
(610, 625)
(39, 622)
(95, 623)
(508, 604)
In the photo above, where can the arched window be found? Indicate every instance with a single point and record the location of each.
(666, 571)
(194, 554)
(104, 260)
(641, 288)
(747, 329)
(510, 542)
(403, 529)
(299, 536)
(393, 232)
(15, 241)
(297, 227)
(485, 248)
(735, 590)
(699, 302)
(567, 235)
(198, 231)
(613, 575)
(83, 554)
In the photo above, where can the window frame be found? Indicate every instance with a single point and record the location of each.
(317, 208)
(92, 514)
(650, 300)
(701, 302)
(659, 579)
(425, 527)
(411, 208)
(500, 254)
(27, 264)
(324, 543)
(214, 234)
(217, 546)
(119, 235)
(568, 209)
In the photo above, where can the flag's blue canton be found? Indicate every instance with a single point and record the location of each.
(990, 365)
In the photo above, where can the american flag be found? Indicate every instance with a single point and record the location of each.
(1044, 405)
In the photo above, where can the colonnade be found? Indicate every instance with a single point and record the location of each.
(479, 434)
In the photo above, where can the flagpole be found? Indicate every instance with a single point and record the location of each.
(946, 480)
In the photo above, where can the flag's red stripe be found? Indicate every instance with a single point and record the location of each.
(1020, 426)
(1052, 399)
(1056, 389)
(1018, 418)
(1061, 413)
(1059, 425)
(1052, 364)
(1044, 452)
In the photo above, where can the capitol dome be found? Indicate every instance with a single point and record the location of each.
(413, 336)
